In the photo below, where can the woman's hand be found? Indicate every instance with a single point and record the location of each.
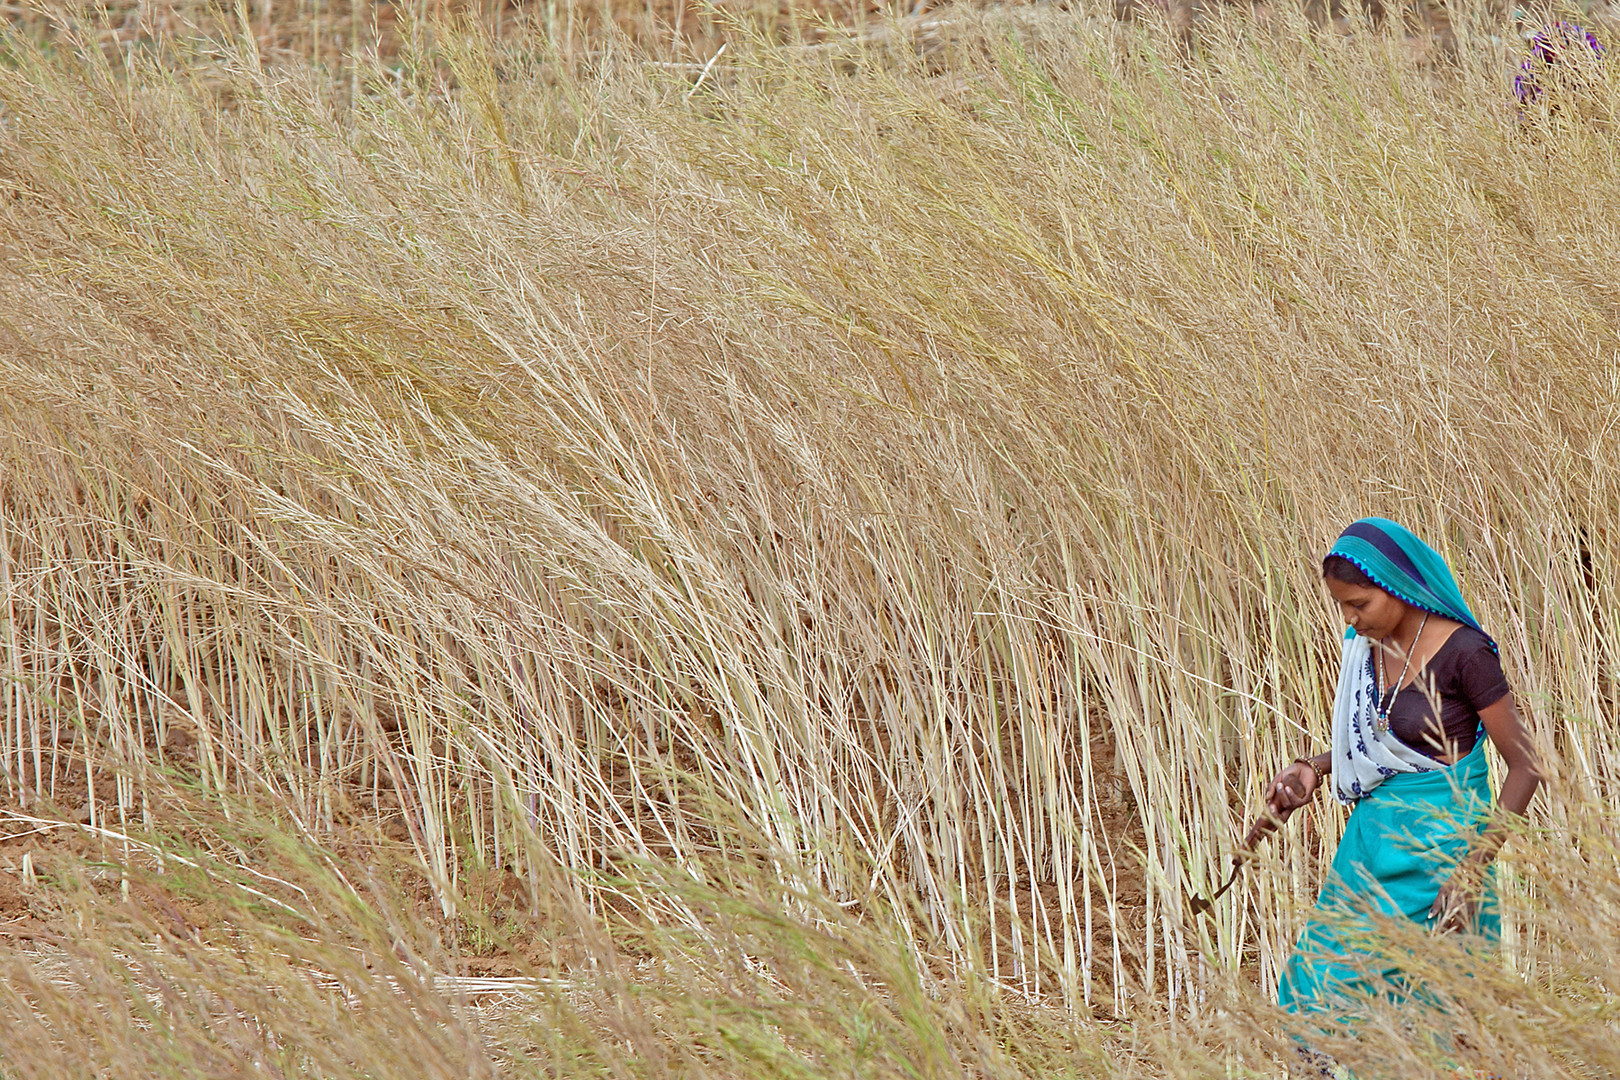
(1288, 791)
(1458, 903)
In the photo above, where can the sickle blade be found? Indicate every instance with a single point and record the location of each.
(1200, 906)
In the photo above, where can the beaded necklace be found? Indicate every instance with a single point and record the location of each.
(1384, 705)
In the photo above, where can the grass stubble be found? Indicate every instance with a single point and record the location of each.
(835, 539)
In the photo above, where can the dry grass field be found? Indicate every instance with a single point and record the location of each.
(529, 558)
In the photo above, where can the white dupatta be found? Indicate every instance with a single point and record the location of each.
(1363, 755)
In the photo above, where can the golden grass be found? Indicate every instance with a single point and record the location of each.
(922, 454)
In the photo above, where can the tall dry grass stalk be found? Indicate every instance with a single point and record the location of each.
(925, 455)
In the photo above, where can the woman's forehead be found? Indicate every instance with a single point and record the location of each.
(1345, 592)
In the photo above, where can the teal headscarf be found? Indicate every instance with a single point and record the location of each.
(1405, 567)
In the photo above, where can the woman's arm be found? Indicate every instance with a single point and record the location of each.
(1512, 740)
(1453, 907)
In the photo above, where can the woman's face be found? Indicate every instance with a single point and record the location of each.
(1373, 612)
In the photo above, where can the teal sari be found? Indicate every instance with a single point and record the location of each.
(1400, 845)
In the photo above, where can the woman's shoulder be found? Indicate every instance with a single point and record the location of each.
(1468, 661)
(1468, 655)
(1465, 640)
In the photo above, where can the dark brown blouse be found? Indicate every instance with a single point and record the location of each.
(1464, 676)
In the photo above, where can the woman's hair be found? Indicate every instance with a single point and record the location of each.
(1339, 568)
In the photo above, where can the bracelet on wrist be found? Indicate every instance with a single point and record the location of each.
(1311, 765)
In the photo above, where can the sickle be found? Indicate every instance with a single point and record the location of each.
(1200, 906)
(1263, 826)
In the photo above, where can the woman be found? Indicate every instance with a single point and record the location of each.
(1418, 682)
(1563, 57)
